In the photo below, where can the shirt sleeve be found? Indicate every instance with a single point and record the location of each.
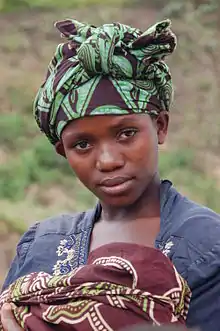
(23, 246)
(204, 280)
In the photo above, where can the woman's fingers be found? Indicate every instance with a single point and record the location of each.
(8, 320)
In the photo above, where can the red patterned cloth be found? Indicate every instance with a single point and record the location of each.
(121, 285)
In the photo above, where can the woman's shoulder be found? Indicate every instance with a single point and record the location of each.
(48, 245)
(176, 205)
(195, 220)
(183, 214)
(47, 236)
(62, 224)
(67, 223)
(190, 231)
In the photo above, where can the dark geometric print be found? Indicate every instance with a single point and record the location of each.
(111, 69)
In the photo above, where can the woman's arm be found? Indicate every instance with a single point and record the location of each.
(16, 269)
(204, 280)
(7, 317)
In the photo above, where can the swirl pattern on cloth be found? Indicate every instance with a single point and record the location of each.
(122, 285)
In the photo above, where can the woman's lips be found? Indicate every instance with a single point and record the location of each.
(116, 185)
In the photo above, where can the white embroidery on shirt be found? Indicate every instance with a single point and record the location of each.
(72, 252)
(167, 248)
(65, 250)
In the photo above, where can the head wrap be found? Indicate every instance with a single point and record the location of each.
(111, 69)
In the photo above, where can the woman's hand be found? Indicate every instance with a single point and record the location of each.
(8, 320)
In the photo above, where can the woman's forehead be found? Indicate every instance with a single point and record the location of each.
(104, 122)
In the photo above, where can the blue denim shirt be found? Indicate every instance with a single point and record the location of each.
(189, 236)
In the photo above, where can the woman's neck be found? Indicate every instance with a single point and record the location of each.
(147, 206)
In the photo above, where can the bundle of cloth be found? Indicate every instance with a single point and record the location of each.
(120, 286)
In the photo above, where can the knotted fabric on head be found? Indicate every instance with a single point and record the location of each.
(112, 69)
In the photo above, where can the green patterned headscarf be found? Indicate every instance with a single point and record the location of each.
(112, 69)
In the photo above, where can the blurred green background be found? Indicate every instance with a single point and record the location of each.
(34, 181)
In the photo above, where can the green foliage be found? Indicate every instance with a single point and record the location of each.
(38, 164)
(14, 5)
(180, 159)
(11, 5)
(199, 9)
(181, 167)
(45, 157)
(13, 128)
(12, 225)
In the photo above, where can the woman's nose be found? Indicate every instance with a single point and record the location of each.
(109, 159)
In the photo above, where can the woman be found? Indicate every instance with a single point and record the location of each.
(105, 107)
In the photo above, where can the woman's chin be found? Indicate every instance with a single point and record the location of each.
(118, 201)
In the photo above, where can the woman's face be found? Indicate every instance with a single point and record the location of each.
(115, 157)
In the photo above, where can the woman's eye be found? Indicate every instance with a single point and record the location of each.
(127, 134)
(82, 145)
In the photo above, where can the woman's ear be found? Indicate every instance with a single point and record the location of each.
(162, 126)
(60, 149)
